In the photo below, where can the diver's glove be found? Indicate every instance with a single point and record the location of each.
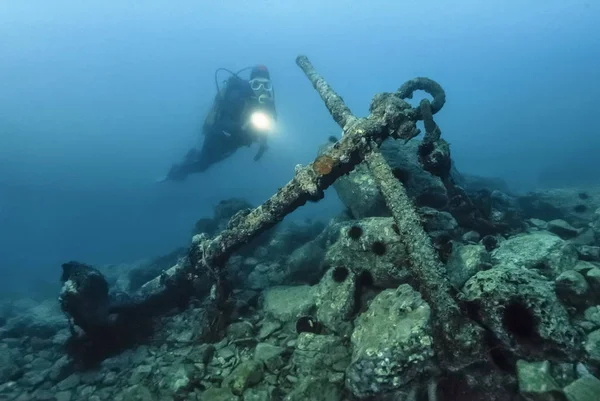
(261, 151)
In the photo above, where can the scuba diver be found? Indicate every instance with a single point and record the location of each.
(243, 112)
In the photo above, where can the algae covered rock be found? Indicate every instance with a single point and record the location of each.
(270, 355)
(392, 343)
(536, 382)
(320, 355)
(572, 288)
(315, 389)
(360, 194)
(246, 374)
(465, 261)
(218, 394)
(541, 250)
(287, 303)
(592, 346)
(522, 310)
(370, 246)
(562, 229)
(586, 388)
(336, 300)
(574, 205)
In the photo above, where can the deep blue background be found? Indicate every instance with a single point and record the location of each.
(97, 99)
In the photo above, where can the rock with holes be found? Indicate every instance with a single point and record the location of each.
(320, 355)
(576, 206)
(336, 300)
(521, 307)
(465, 261)
(370, 247)
(542, 251)
(392, 343)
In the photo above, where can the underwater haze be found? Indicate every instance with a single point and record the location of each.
(99, 99)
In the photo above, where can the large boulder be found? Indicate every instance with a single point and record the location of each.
(540, 250)
(359, 192)
(574, 205)
(370, 247)
(521, 308)
(392, 343)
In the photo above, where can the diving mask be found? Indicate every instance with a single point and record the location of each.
(261, 84)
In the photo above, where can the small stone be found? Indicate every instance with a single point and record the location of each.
(110, 379)
(86, 391)
(592, 346)
(140, 373)
(257, 394)
(539, 224)
(91, 377)
(61, 369)
(465, 261)
(218, 394)
(585, 237)
(43, 395)
(270, 355)
(226, 353)
(586, 388)
(592, 315)
(245, 375)
(536, 382)
(315, 389)
(63, 396)
(69, 383)
(239, 330)
(571, 288)
(471, 237)
(583, 266)
(562, 229)
(250, 261)
(269, 327)
(589, 253)
(137, 392)
(593, 277)
(34, 378)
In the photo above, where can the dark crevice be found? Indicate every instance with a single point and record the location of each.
(364, 291)
(378, 248)
(583, 195)
(520, 322)
(339, 274)
(308, 324)
(355, 232)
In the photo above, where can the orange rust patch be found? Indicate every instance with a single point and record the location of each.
(323, 165)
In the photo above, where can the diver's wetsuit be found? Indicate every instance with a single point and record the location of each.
(225, 134)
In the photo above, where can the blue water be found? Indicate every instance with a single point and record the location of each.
(98, 99)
